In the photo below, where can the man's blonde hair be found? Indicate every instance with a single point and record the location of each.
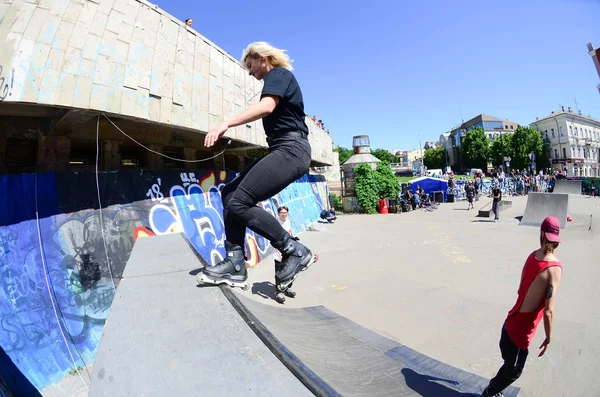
(276, 56)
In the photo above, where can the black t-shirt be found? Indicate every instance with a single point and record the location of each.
(289, 114)
(496, 192)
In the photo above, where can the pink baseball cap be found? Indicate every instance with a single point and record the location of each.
(551, 228)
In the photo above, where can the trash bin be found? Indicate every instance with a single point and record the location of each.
(450, 198)
(383, 206)
(393, 206)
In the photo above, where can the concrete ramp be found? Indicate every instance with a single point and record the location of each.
(167, 336)
(541, 205)
(567, 186)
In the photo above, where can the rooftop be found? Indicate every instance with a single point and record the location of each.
(569, 113)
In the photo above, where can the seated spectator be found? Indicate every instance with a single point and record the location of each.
(329, 215)
(189, 22)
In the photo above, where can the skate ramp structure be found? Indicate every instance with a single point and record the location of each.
(167, 336)
(541, 205)
(567, 186)
(486, 210)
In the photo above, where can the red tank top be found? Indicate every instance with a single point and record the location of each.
(521, 327)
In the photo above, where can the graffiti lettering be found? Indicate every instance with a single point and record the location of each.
(80, 257)
(6, 83)
(154, 193)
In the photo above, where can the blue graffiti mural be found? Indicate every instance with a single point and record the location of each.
(58, 268)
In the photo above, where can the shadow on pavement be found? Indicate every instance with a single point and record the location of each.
(427, 386)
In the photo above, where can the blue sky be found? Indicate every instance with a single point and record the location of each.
(395, 69)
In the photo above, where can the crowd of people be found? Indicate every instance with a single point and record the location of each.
(319, 123)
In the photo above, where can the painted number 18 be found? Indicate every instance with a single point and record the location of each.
(154, 193)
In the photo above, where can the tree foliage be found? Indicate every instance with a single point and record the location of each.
(387, 184)
(526, 140)
(366, 188)
(385, 156)
(502, 146)
(345, 154)
(476, 149)
(435, 158)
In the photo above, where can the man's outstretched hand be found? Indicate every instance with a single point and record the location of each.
(544, 346)
(214, 134)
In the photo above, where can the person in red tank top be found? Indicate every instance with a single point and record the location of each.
(536, 296)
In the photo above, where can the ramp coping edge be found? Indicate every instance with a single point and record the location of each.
(304, 374)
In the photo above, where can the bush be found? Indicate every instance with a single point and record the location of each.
(388, 186)
(336, 202)
(366, 189)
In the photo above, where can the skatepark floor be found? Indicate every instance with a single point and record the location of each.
(442, 283)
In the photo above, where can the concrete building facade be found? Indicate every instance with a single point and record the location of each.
(65, 62)
(493, 127)
(574, 141)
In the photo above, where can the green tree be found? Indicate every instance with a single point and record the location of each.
(435, 158)
(544, 161)
(384, 156)
(345, 154)
(476, 149)
(387, 183)
(502, 146)
(366, 188)
(526, 140)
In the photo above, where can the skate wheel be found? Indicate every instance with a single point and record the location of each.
(245, 287)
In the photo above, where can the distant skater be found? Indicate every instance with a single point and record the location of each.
(281, 109)
(536, 297)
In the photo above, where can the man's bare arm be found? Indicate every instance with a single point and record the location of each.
(555, 274)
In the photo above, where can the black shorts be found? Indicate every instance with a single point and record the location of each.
(470, 198)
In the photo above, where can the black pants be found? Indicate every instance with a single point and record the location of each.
(288, 159)
(495, 209)
(514, 362)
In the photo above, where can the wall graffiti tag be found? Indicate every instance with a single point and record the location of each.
(7, 82)
(81, 256)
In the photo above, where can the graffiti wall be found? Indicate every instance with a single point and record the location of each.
(61, 257)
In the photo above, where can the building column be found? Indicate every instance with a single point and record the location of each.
(155, 162)
(111, 158)
(53, 153)
(190, 154)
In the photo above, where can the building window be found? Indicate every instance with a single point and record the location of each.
(553, 135)
(564, 153)
(511, 127)
(172, 152)
(83, 155)
(505, 127)
(555, 153)
(576, 132)
(561, 131)
(572, 152)
(579, 152)
(133, 156)
(21, 154)
(571, 130)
